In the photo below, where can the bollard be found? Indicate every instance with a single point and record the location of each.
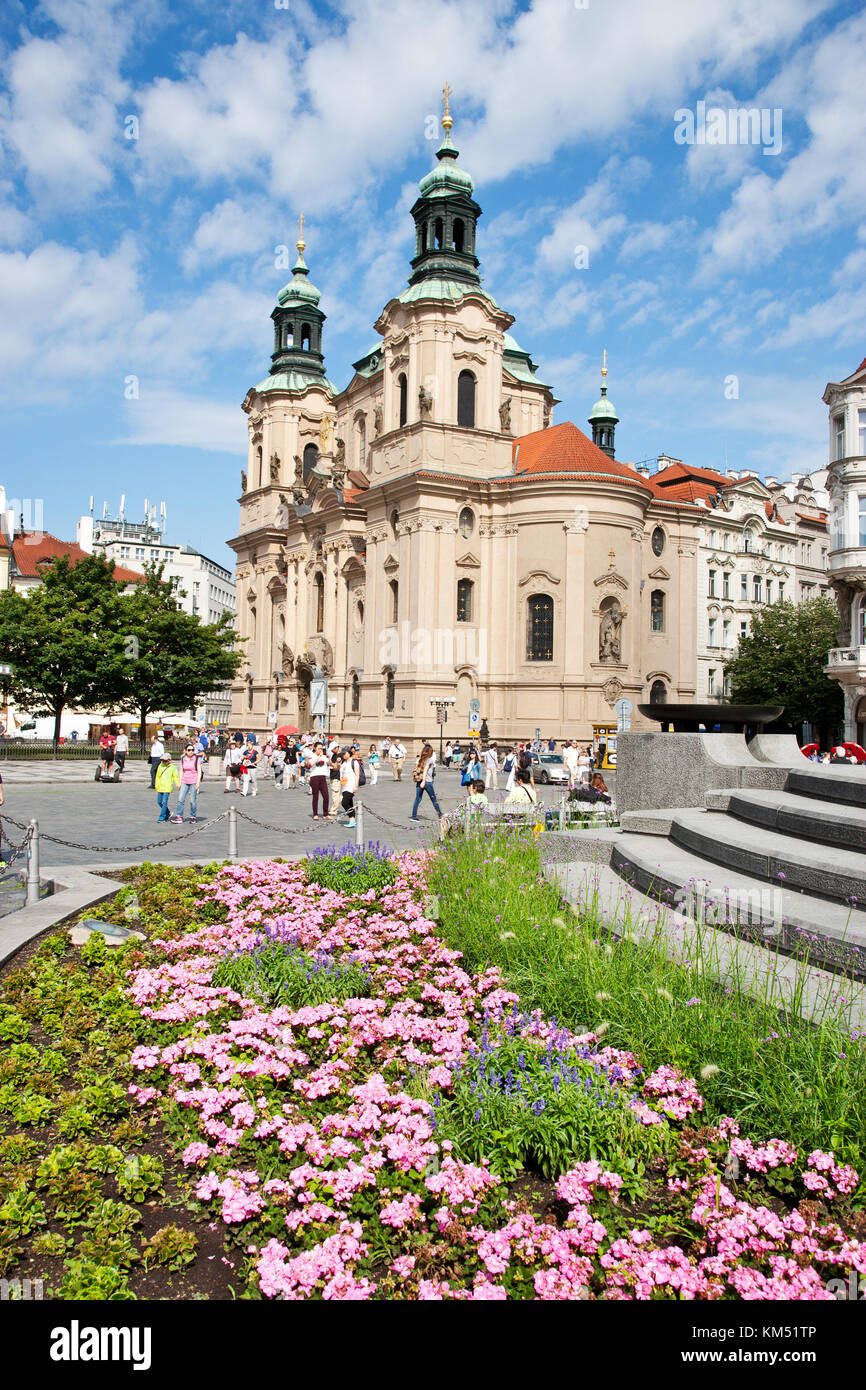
(233, 833)
(33, 865)
(359, 823)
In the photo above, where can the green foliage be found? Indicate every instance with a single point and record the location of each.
(522, 1105)
(277, 972)
(85, 1279)
(782, 659)
(106, 1247)
(171, 1246)
(175, 658)
(114, 1217)
(140, 1177)
(22, 1211)
(13, 1028)
(27, 1107)
(350, 870)
(51, 1243)
(95, 949)
(777, 1075)
(65, 638)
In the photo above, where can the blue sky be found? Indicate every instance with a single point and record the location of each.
(154, 257)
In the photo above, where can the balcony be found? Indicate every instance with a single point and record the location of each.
(846, 664)
(850, 558)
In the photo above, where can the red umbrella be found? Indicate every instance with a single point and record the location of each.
(287, 729)
(809, 748)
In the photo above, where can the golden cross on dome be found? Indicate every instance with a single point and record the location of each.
(603, 365)
(447, 122)
(300, 242)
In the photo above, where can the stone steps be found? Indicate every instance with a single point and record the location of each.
(842, 825)
(764, 854)
(752, 906)
(829, 783)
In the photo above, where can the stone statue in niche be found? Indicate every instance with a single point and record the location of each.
(243, 481)
(377, 418)
(425, 401)
(545, 424)
(275, 468)
(338, 468)
(609, 647)
(505, 416)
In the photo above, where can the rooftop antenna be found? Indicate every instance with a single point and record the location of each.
(91, 504)
(122, 505)
(104, 510)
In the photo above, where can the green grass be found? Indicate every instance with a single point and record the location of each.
(775, 1073)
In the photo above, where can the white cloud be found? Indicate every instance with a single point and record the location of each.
(821, 185)
(59, 310)
(60, 121)
(168, 417)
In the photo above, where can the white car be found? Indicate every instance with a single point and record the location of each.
(549, 767)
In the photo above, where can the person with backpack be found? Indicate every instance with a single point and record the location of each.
(250, 769)
(374, 764)
(190, 781)
(509, 767)
(348, 785)
(167, 778)
(318, 769)
(425, 771)
(233, 763)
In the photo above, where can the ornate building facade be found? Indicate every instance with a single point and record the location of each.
(846, 482)
(429, 532)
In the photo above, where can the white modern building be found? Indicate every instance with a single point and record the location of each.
(206, 589)
(847, 560)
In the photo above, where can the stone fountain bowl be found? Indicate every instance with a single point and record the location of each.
(687, 719)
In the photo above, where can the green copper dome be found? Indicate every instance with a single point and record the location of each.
(447, 177)
(604, 410)
(300, 287)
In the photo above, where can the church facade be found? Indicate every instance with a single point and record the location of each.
(429, 532)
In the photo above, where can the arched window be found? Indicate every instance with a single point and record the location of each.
(464, 600)
(395, 600)
(539, 628)
(658, 693)
(403, 387)
(657, 611)
(437, 234)
(389, 690)
(466, 522)
(459, 234)
(311, 458)
(320, 602)
(305, 337)
(466, 399)
(356, 693)
(288, 335)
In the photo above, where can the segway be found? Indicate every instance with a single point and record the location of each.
(111, 773)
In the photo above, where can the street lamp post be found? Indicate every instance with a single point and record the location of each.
(332, 705)
(441, 703)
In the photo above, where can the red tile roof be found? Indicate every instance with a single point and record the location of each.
(566, 449)
(33, 551)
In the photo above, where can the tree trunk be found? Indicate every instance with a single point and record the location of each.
(142, 712)
(58, 711)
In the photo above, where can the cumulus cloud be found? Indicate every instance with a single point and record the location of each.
(164, 416)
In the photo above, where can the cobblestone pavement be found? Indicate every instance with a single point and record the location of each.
(111, 824)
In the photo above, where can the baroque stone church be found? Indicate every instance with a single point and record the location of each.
(428, 531)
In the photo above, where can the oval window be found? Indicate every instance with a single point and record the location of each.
(658, 541)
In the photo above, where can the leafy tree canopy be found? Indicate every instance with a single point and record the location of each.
(782, 661)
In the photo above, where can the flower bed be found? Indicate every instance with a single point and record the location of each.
(427, 1139)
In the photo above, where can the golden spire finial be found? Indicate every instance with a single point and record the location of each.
(300, 243)
(447, 122)
(603, 366)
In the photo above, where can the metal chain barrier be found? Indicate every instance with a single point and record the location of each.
(395, 825)
(124, 849)
(279, 829)
(16, 850)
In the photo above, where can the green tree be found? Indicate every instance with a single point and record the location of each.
(782, 660)
(64, 638)
(173, 658)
